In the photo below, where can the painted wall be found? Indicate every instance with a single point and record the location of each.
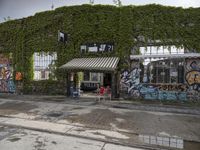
(6, 80)
(190, 90)
(192, 77)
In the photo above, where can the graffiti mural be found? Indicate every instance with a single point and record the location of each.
(193, 80)
(193, 96)
(193, 64)
(130, 82)
(187, 90)
(6, 80)
(192, 76)
(5, 72)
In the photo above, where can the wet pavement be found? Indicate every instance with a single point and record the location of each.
(125, 125)
(6, 132)
(148, 105)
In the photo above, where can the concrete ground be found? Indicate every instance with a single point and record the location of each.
(104, 122)
(23, 139)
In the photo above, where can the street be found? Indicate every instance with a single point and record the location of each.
(70, 124)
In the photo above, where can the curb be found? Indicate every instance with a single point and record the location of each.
(134, 145)
(157, 108)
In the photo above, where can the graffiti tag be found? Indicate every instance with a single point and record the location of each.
(193, 77)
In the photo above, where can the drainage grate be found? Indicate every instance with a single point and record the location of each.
(163, 141)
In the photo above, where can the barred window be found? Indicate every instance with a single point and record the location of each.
(44, 65)
(160, 70)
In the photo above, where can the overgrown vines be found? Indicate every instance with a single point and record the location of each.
(97, 23)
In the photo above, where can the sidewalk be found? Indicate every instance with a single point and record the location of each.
(112, 137)
(140, 142)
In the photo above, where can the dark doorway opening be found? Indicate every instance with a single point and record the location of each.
(107, 79)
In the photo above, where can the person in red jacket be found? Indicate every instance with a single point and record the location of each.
(102, 91)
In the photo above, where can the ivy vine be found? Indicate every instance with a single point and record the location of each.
(98, 23)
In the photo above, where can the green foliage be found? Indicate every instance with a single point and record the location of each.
(45, 87)
(97, 23)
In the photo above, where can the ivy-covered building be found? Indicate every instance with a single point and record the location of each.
(34, 40)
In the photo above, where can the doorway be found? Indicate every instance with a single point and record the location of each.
(107, 79)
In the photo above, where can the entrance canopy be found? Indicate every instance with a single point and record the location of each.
(92, 64)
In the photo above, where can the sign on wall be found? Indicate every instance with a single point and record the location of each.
(62, 37)
(96, 47)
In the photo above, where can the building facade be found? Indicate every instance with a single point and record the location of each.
(97, 31)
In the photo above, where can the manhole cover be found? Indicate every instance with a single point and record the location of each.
(55, 114)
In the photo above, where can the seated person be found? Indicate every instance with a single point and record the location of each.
(102, 91)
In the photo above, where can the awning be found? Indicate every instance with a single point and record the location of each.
(92, 64)
(166, 56)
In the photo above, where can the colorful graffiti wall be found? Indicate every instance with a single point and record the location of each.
(6, 79)
(131, 87)
(192, 77)
(193, 73)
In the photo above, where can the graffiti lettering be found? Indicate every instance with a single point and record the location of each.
(193, 77)
(171, 87)
(192, 64)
